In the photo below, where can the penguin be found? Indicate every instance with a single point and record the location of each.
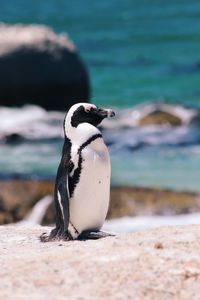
(82, 185)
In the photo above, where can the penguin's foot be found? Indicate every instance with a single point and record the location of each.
(93, 235)
(56, 234)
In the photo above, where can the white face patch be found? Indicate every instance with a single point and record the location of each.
(85, 130)
(89, 106)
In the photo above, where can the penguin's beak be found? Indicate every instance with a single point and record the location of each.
(105, 113)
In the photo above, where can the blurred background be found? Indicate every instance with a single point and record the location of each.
(141, 58)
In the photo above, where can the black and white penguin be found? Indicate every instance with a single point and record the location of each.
(82, 186)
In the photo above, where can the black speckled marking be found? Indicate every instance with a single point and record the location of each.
(73, 180)
(89, 141)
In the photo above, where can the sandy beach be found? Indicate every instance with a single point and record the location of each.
(145, 265)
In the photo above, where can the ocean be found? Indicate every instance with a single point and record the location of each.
(138, 53)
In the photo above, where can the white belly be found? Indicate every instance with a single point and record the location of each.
(90, 201)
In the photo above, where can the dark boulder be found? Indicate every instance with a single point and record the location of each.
(37, 66)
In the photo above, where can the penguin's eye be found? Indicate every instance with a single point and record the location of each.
(92, 109)
(89, 110)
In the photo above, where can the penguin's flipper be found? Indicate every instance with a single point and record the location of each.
(93, 235)
(61, 197)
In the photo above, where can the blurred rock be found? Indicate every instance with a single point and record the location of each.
(13, 139)
(155, 264)
(17, 198)
(160, 118)
(134, 201)
(37, 66)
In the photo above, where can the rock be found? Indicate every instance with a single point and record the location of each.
(134, 201)
(153, 113)
(157, 264)
(37, 66)
(160, 118)
(17, 198)
(13, 139)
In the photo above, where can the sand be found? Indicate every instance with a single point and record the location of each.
(159, 264)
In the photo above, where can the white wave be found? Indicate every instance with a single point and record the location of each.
(34, 122)
(131, 117)
(130, 224)
(195, 149)
(152, 136)
(30, 121)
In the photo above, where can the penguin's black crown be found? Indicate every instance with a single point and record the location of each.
(89, 113)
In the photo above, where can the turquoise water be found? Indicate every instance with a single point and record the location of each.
(164, 167)
(135, 51)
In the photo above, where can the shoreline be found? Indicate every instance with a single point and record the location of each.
(157, 264)
(18, 197)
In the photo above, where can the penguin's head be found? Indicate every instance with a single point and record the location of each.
(87, 113)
